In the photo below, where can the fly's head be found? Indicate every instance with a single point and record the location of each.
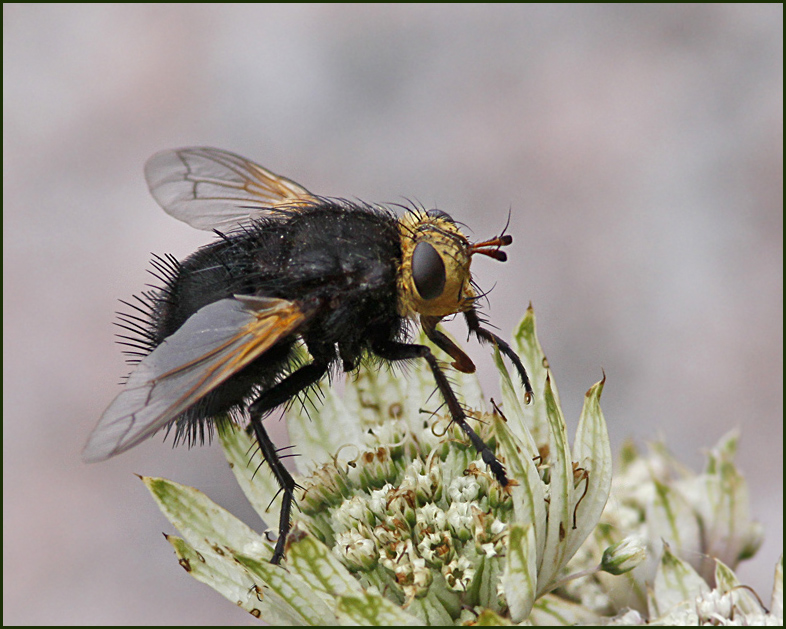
(435, 279)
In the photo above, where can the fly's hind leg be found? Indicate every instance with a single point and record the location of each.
(285, 390)
(392, 350)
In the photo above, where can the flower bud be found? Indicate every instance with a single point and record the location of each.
(624, 556)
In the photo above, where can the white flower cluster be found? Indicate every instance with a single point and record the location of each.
(404, 534)
(401, 524)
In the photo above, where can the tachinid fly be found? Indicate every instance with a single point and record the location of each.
(218, 338)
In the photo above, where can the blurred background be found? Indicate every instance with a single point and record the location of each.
(639, 150)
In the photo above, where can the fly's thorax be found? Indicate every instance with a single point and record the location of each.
(434, 279)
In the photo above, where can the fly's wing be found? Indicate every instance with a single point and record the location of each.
(213, 189)
(214, 343)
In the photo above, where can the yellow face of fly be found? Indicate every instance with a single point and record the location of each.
(434, 278)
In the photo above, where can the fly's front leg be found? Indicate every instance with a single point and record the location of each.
(474, 325)
(391, 350)
(461, 361)
(290, 386)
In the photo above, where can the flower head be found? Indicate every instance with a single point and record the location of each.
(401, 522)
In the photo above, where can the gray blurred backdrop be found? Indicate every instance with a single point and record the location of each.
(638, 148)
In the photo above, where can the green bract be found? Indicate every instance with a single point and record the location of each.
(400, 522)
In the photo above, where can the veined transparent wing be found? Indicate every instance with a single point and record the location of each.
(213, 189)
(212, 345)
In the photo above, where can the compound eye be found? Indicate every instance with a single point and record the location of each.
(428, 271)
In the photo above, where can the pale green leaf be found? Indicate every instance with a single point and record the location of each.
(560, 508)
(529, 505)
(513, 403)
(226, 543)
(777, 590)
(319, 568)
(430, 611)
(380, 393)
(488, 577)
(527, 346)
(520, 578)
(721, 499)
(676, 582)
(319, 426)
(592, 453)
(372, 610)
(230, 579)
(724, 451)
(488, 618)
(726, 581)
(552, 610)
(671, 517)
(205, 525)
(313, 608)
